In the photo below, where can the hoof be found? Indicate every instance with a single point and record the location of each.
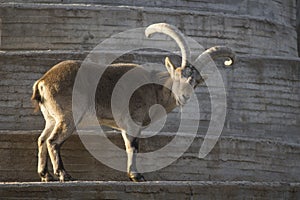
(46, 177)
(64, 176)
(136, 177)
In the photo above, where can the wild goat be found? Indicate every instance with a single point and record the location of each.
(53, 94)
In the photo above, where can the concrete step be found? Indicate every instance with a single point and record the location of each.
(262, 93)
(232, 158)
(81, 27)
(150, 190)
(281, 11)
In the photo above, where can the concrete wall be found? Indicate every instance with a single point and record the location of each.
(18, 73)
(279, 11)
(232, 159)
(151, 190)
(260, 141)
(263, 94)
(298, 24)
(81, 27)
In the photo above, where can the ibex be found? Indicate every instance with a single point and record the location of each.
(53, 95)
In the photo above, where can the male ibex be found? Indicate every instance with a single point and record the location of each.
(53, 93)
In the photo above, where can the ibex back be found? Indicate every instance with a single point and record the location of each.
(53, 95)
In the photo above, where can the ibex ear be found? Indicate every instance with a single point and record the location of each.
(170, 67)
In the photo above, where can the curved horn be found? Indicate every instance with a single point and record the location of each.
(219, 52)
(176, 35)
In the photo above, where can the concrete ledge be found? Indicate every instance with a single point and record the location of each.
(81, 27)
(151, 190)
(232, 159)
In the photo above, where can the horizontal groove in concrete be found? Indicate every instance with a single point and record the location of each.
(240, 56)
(151, 190)
(113, 134)
(128, 7)
(150, 183)
(62, 27)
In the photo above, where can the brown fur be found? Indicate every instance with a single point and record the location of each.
(53, 94)
(36, 98)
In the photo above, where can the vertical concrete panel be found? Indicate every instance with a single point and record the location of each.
(298, 24)
(0, 32)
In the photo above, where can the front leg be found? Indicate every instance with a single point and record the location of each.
(131, 144)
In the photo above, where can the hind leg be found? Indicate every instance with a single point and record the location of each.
(63, 128)
(42, 146)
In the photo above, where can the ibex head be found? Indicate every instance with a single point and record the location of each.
(186, 77)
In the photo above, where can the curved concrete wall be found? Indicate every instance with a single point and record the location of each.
(298, 25)
(250, 27)
(232, 159)
(263, 94)
(261, 137)
(150, 190)
(281, 11)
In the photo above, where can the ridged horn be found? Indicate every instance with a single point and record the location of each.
(176, 35)
(219, 52)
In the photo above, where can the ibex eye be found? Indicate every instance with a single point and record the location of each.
(187, 72)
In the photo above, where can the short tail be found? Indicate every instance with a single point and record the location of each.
(36, 97)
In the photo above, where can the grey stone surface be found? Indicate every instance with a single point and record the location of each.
(232, 159)
(298, 24)
(250, 30)
(282, 11)
(262, 93)
(258, 153)
(150, 190)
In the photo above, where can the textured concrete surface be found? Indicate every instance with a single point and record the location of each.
(78, 26)
(232, 159)
(257, 156)
(282, 11)
(151, 190)
(298, 24)
(262, 93)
